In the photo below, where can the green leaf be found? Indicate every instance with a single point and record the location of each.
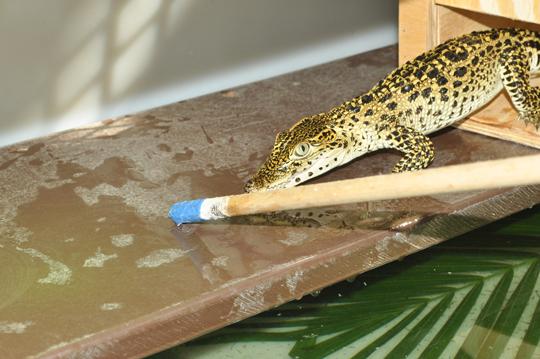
(510, 315)
(445, 335)
(485, 321)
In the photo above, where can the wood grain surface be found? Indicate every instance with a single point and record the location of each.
(524, 10)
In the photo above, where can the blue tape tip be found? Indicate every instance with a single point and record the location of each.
(186, 212)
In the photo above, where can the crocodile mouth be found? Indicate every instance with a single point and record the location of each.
(314, 168)
(251, 186)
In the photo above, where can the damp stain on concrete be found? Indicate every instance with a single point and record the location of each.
(14, 327)
(111, 306)
(160, 257)
(59, 273)
(98, 259)
(122, 240)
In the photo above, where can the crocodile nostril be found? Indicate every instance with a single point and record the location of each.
(248, 186)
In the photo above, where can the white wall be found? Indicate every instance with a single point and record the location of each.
(64, 63)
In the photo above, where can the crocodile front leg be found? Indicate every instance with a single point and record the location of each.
(514, 70)
(417, 147)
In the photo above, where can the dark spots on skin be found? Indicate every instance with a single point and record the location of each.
(475, 60)
(498, 44)
(354, 119)
(462, 55)
(320, 168)
(408, 112)
(367, 99)
(419, 73)
(369, 112)
(450, 55)
(460, 71)
(442, 81)
(437, 113)
(457, 83)
(297, 179)
(433, 73)
(419, 110)
(385, 98)
(443, 90)
(414, 96)
(392, 105)
(466, 88)
(426, 92)
(445, 98)
(455, 103)
(353, 108)
(489, 48)
(310, 174)
(482, 53)
(406, 88)
(335, 159)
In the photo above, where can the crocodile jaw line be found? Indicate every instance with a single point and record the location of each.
(342, 158)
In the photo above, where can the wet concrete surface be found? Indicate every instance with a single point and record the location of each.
(91, 266)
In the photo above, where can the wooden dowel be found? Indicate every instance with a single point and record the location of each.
(509, 172)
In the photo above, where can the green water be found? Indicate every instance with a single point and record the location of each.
(473, 296)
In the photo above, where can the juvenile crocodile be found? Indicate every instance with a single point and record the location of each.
(428, 93)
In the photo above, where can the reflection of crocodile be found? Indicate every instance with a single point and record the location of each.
(346, 217)
(424, 95)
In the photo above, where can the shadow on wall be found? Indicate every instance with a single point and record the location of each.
(66, 63)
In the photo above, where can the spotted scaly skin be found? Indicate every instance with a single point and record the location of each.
(430, 92)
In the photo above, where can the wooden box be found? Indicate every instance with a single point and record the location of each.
(424, 24)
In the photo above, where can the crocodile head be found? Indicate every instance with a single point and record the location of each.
(311, 147)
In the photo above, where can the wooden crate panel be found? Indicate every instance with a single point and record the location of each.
(525, 10)
(414, 20)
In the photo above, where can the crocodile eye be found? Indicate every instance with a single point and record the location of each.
(301, 150)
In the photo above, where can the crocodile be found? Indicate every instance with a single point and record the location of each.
(430, 92)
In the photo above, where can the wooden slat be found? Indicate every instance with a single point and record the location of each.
(524, 10)
(414, 19)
